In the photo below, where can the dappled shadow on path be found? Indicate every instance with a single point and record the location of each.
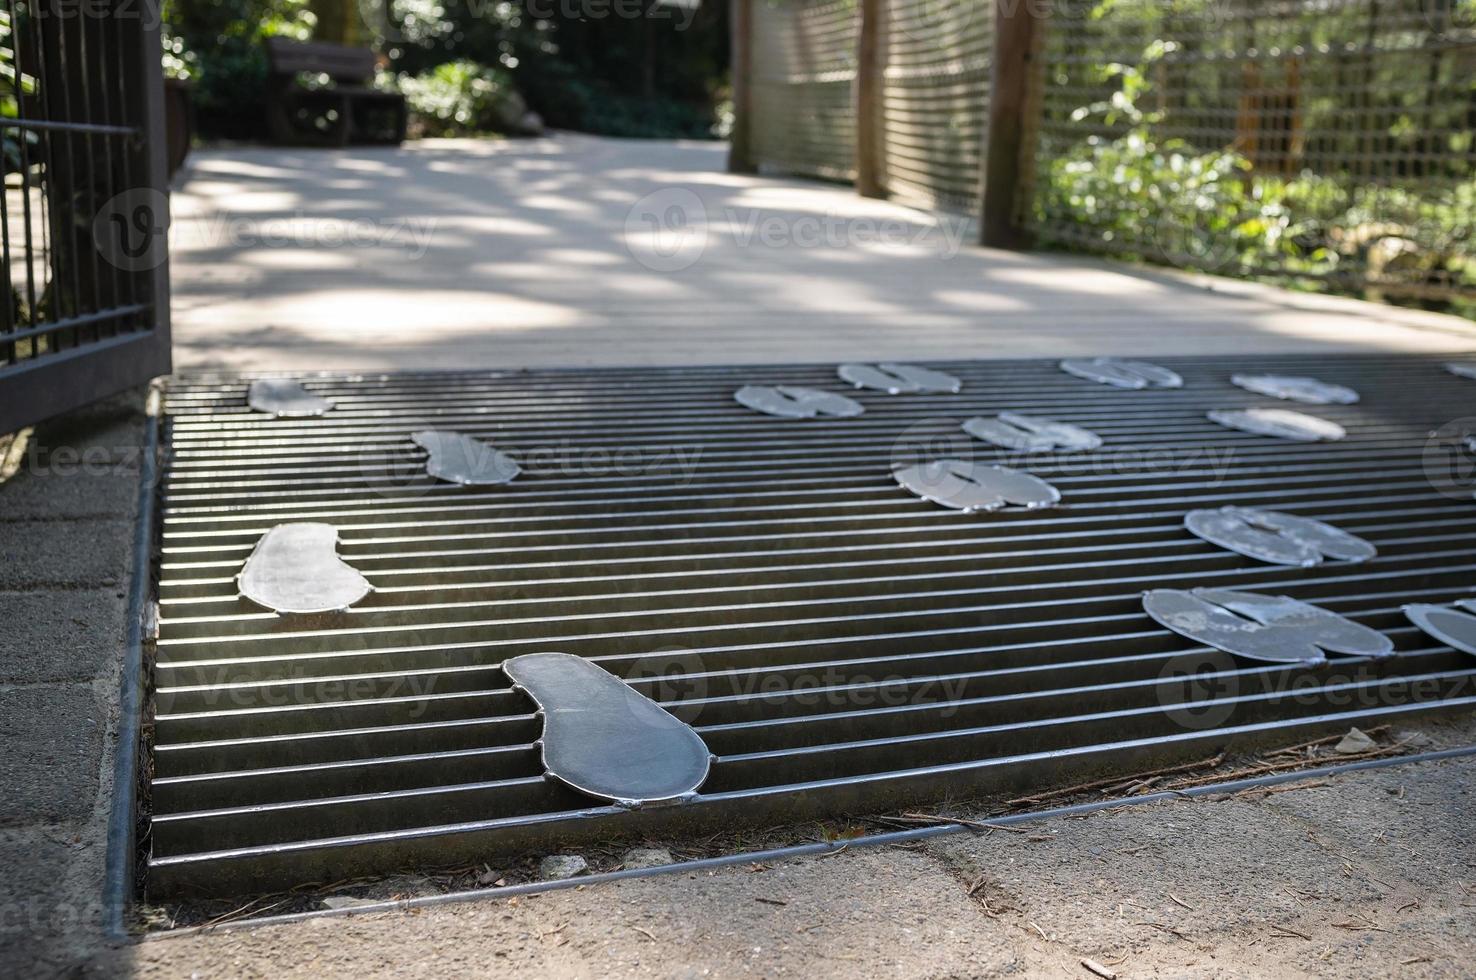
(577, 250)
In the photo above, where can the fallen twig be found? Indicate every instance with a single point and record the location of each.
(1292, 932)
(961, 821)
(1097, 968)
(1115, 781)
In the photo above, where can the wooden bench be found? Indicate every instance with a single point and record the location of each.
(346, 110)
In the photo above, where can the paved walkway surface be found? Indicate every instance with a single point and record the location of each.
(1370, 875)
(575, 250)
(446, 255)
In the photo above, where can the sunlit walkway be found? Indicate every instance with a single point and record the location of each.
(575, 250)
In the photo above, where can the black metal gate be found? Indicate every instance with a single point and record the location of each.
(85, 209)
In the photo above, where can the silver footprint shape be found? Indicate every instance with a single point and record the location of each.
(899, 379)
(1296, 388)
(1276, 629)
(285, 398)
(971, 487)
(1122, 373)
(1453, 627)
(1277, 538)
(604, 739)
(1029, 433)
(458, 458)
(787, 401)
(1282, 423)
(295, 568)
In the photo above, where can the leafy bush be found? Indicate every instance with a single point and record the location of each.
(463, 97)
(1160, 199)
(218, 44)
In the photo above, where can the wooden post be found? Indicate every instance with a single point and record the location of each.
(870, 180)
(740, 141)
(1018, 27)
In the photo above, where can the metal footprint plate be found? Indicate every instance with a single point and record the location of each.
(1296, 388)
(1122, 373)
(899, 379)
(604, 739)
(1453, 627)
(295, 568)
(1277, 538)
(1276, 629)
(1279, 422)
(458, 458)
(968, 486)
(285, 398)
(790, 402)
(1029, 433)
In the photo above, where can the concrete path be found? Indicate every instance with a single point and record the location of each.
(574, 250)
(1369, 875)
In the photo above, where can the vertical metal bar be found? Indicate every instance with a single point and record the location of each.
(7, 318)
(63, 182)
(127, 115)
(51, 274)
(28, 250)
(149, 74)
(108, 39)
(86, 183)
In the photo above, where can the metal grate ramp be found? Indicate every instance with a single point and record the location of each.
(839, 644)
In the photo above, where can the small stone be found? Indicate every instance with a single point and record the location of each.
(1354, 742)
(347, 902)
(646, 857)
(557, 867)
(1413, 739)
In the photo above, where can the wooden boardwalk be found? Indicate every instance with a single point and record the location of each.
(574, 250)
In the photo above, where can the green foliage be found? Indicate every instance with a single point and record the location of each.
(13, 84)
(619, 67)
(1129, 190)
(217, 44)
(462, 97)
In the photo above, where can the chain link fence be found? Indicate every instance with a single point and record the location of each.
(1322, 143)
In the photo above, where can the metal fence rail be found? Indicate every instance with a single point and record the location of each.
(1324, 142)
(83, 214)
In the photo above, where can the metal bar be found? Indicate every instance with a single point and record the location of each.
(81, 320)
(64, 126)
(939, 650)
(120, 869)
(822, 848)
